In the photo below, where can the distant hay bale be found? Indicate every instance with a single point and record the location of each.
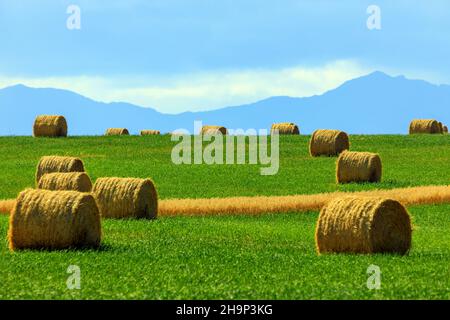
(445, 129)
(50, 164)
(43, 219)
(441, 127)
(421, 126)
(150, 132)
(363, 225)
(212, 130)
(75, 181)
(328, 143)
(50, 126)
(358, 167)
(285, 128)
(126, 198)
(177, 133)
(117, 132)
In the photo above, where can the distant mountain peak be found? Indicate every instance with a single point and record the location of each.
(380, 74)
(380, 81)
(373, 76)
(19, 85)
(16, 86)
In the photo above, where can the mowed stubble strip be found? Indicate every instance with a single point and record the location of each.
(283, 204)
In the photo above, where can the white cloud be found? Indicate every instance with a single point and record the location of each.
(203, 91)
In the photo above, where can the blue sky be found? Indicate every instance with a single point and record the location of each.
(178, 55)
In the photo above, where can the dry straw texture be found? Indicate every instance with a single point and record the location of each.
(7, 205)
(50, 164)
(126, 198)
(282, 204)
(328, 143)
(363, 225)
(177, 133)
(211, 130)
(117, 132)
(424, 126)
(150, 132)
(358, 167)
(76, 181)
(285, 128)
(43, 219)
(294, 203)
(50, 126)
(445, 129)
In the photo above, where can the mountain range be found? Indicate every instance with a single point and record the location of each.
(373, 104)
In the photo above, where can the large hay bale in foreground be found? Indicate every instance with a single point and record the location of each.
(363, 225)
(117, 132)
(328, 143)
(358, 167)
(212, 130)
(76, 181)
(126, 198)
(50, 126)
(424, 126)
(43, 219)
(50, 164)
(285, 128)
(150, 132)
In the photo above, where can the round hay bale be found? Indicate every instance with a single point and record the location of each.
(150, 132)
(76, 181)
(50, 164)
(424, 126)
(177, 133)
(212, 130)
(363, 225)
(126, 198)
(328, 143)
(50, 126)
(117, 132)
(285, 128)
(441, 127)
(445, 129)
(358, 167)
(43, 219)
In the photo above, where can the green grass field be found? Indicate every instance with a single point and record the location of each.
(265, 257)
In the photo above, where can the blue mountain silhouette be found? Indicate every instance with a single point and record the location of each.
(372, 104)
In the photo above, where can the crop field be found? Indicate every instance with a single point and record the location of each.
(269, 256)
